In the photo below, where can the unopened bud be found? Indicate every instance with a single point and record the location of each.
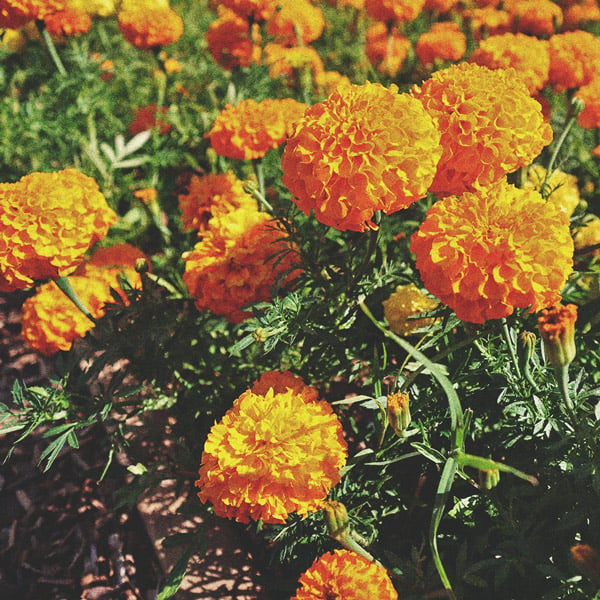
(557, 328)
(577, 106)
(488, 479)
(336, 519)
(398, 412)
(525, 348)
(260, 335)
(141, 265)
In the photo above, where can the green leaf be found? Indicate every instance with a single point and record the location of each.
(429, 452)
(478, 462)
(175, 577)
(53, 450)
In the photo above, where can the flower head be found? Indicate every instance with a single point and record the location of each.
(589, 118)
(443, 42)
(293, 62)
(48, 221)
(557, 328)
(16, 13)
(366, 148)
(102, 8)
(402, 11)
(147, 27)
(486, 253)
(407, 301)
(256, 10)
(272, 454)
(250, 129)
(577, 15)
(345, 574)
(487, 21)
(296, 22)
(68, 22)
(146, 117)
(536, 17)
(574, 59)
(562, 187)
(490, 125)
(588, 235)
(281, 382)
(386, 50)
(232, 266)
(210, 195)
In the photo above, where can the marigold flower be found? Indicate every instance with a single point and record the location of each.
(292, 62)
(529, 56)
(231, 268)
(345, 574)
(444, 41)
(16, 13)
(48, 221)
(147, 27)
(588, 235)
(589, 118)
(408, 301)
(233, 42)
(280, 382)
(146, 118)
(255, 10)
(395, 11)
(366, 148)
(296, 22)
(68, 22)
(116, 256)
(210, 195)
(250, 129)
(329, 81)
(102, 8)
(487, 21)
(563, 188)
(272, 454)
(486, 253)
(578, 14)
(557, 328)
(441, 6)
(574, 59)
(490, 125)
(536, 17)
(386, 48)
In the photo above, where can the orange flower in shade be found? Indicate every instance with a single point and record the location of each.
(233, 42)
(345, 575)
(297, 22)
(255, 10)
(395, 11)
(443, 42)
(149, 26)
(68, 22)
(145, 118)
(557, 328)
(232, 265)
(250, 129)
(574, 59)
(117, 256)
(281, 382)
(490, 125)
(48, 221)
(366, 148)
(587, 561)
(386, 49)
(406, 302)
(589, 118)
(441, 6)
(577, 15)
(272, 454)
(536, 17)
(486, 253)
(16, 13)
(529, 56)
(562, 187)
(329, 81)
(487, 21)
(212, 194)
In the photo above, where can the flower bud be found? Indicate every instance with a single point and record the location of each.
(525, 348)
(557, 328)
(488, 479)
(336, 519)
(398, 412)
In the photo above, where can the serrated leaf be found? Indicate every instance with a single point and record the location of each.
(108, 151)
(119, 145)
(136, 142)
(53, 450)
(131, 162)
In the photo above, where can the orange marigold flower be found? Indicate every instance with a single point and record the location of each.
(108, 257)
(145, 118)
(587, 561)
(574, 59)
(386, 48)
(47, 223)
(150, 26)
(250, 129)
(281, 382)
(272, 454)
(577, 15)
(231, 266)
(296, 22)
(366, 148)
(537, 17)
(487, 21)
(562, 187)
(292, 62)
(345, 574)
(441, 6)
(486, 253)
(68, 22)
(210, 195)
(490, 125)
(589, 118)
(406, 302)
(233, 42)
(400, 11)
(443, 42)
(529, 56)
(557, 328)
(328, 81)
(255, 10)
(16, 13)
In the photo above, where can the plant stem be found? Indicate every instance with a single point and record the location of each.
(65, 286)
(562, 378)
(511, 348)
(41, 26)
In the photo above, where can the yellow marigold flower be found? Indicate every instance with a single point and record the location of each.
(68, 22)
(386, 49)
(296, 22)
(564, 191)
(588, 235)
(557, 328)
(407, 301)
(271, 455)
(574, 59)
(210, 195)
(345, 575)
(486, 253)
(16, 13)
(366, 148)
(443, 42)
(148, 27)
(490, 125)
(401, 11)
(536, 17)
(231, 267)
(250, 129)
(529, 56)
(255, 10)
(281, 382)
(328, 81)
(102, 8)
(589, 118)
(233, 42)
(487, 20)
(292, 62)
(47, 223)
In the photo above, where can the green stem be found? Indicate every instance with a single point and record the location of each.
(562, 377)
(41, 26)
(511, 348)
(260, 178)
(65, 286)
(570, 121)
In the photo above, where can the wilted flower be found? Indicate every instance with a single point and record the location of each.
(386, 48)
(250, 129)
(272, 454)
(407, 301)
(346, 575)
(149, 26)
(490, 125)
(489, 252)
(443, 42)
(366, 148)
(557, 328)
